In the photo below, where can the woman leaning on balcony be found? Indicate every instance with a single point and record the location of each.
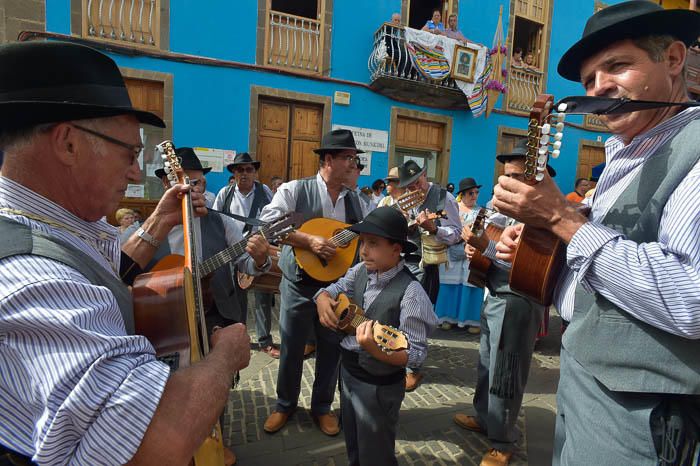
(435, 25)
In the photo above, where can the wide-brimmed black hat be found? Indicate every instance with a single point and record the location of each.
(386, 222)
(628, 20)
(409, 172)
(242, 159)
(188, 161)
(520, 152)
(337, 140)
(49, 82)
(466, 184)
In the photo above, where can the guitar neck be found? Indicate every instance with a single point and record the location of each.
(223, 257)
(357, 320)
(343, 238)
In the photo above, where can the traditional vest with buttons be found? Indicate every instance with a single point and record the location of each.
(260, 200)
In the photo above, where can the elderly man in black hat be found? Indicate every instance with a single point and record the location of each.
(83, 388)
(217, 233)
(629, 390)
(372, 381)
(439, 232)
(323, 195)
(509, 325)
(246, 196)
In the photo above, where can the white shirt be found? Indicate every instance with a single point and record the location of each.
(240, 204)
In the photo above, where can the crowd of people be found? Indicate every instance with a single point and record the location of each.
(79, 384)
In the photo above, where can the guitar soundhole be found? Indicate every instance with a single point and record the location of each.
(172, 360)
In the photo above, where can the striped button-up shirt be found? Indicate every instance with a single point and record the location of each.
(417, 318)
(74, 387)
(657, 282)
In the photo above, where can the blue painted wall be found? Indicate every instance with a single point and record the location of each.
(212, 104)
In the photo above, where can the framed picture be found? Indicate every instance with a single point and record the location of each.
(464, 63)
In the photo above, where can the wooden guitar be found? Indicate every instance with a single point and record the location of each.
(349, 315)
(344, 240)
(540, 255)
(168, 307)
(479, 264)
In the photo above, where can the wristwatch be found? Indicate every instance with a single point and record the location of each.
(144, 235)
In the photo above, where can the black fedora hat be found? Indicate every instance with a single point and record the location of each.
(520, 152)
(49, 82)
(627, 20)
(386, 222)
(188, 161)
(337, 140)
(242, 159)
(466, 184)
(409, 172)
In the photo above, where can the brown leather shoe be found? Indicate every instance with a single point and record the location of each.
(495, 457)
(229, 457)
(413, 379)
(328, 423)
(275, 421)
(469, 423)
(271, 351)
(309, 350)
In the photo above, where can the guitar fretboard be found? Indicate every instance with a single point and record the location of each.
(230, 254)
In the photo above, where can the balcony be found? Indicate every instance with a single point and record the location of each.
(294, 43)
(693, 74)
(524, 85)
(392, 74)
(133, 22)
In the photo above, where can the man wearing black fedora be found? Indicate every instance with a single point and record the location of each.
(217, 232)
(85, 389)
(246, 196)
(323, 195)
(629, 390)
(445, 232)
(372, 381)
(509, 326)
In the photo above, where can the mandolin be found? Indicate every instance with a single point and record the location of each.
(344, 240)
(349, 314)
(168, 307)
(540, 255)
(479, 264)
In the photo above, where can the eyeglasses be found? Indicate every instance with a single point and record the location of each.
(244, 170)
(474, 192)
(134, 148)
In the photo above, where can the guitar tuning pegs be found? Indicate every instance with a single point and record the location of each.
(542, 151)
(561, 108)
(560, 117)
(558, 136)
(542, 159)
(544, 139)
(556, 145)
(559, 127)
(546, 128)
(555, 153)
(539, 176)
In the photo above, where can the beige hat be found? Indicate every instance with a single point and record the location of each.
(393, 175)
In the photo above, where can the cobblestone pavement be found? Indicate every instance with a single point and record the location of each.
(426, 435)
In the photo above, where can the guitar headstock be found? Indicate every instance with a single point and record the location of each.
(171, 163)
(279, 229)
(544, 135)
(479, 224)
(388, 338)
(410, 200)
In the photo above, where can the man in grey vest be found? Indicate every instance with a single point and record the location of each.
(323, 195)
(246, 197)
(629, 389)
(509, 325)
(217, 233)
(85, 389)
(446, 231)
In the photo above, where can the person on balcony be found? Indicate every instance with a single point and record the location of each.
(396, 19)
(435, 25)
(518, 58)
(452, 31)
(530, 61)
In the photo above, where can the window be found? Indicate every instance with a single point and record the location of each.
(419, 12)
(422, 137)
(141, 23)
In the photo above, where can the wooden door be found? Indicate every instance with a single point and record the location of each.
(422, 137)
(273, 140)
(590, 154)
(306, 136)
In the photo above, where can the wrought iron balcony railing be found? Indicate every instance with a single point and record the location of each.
(294, 42)
(524, 85)
(130, 21)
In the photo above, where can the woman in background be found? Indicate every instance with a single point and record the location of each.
(435, 25)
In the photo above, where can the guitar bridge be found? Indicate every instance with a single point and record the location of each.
(172, 360)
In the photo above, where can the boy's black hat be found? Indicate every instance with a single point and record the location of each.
(388, 223)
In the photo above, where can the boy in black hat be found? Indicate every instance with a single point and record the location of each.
(390, 294)
(629, 389)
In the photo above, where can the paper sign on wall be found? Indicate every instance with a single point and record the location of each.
(213, 158)
(134, 190)
(373, 140)
(366, 160)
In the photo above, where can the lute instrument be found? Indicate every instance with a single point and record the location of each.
(350, 316)
(168, 307)
(343, 239)
(540, 254)
(479, 264)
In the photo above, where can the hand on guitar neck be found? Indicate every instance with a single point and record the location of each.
(426, 220)
(478, 242)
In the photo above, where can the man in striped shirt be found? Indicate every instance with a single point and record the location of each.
(77, 386)
(629, 390)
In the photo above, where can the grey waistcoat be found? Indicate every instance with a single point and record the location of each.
(434, 201)
(221, 281)
(18, 239)
(309, 205)
(623, 353)
(260, 200)
(386, 309)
